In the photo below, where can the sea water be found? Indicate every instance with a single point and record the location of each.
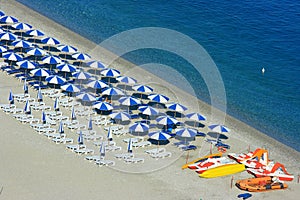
(242, 37)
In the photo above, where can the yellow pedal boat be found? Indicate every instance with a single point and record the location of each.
(223, 170)
(216, 155)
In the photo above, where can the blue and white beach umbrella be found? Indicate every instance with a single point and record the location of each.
(25, 87)
(139, 127)
(8, 19)
(39, 95)
(112, 91)
(129, 101)
(2, 49)
(67, 48)
(176, 107)
(129, 147)
(97, 84)
(73, 115)
(36, 52)
(40, 72)
(102, 150)
(61, 128)
(22, 26)
(96, 64)
(35, 33)
(142, 88)
(53, 60)
(126, 79)
(80, 138)
(159, 136)
(81, 56)
(44, 120)
(12, 56)
(54, 79)
(90, 124)
(148, 110)
(7, 36)
(195, 116)
(56, 104)
(26, 64)
(50, 41)
(122, 116)
(82, 75)
(109, 135)
(21, 43)
(2, 13)
(103, 106)
(11, 97)
(166, 120)
(109, 72)
(64, 67)
(70, 88)
(186, 132)
(27, 109)
(86, 97)
(218, 128)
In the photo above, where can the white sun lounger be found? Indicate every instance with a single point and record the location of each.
(70, 122)
(22, 116)
(8, 110)
(86, 132)
(120, 132)
(124, 155)
(62, 140)
(84, 151)
(93, 137)
(134, 140)
(7, 106)
(113, 148)
(161, 155)
(141, 144)
(76, 126)
(93, 157)
(105, 143)
(134, 160)
(74, 147)
(155, 151)
(104, 162)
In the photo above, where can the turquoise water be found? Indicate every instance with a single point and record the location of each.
(241, 37)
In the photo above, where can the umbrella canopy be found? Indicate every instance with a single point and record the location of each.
(195, 116)
(40, 72)
(142, 88)
(81, 56)
(36, 52)
(22, 26)
(11, 97)
(2, 49)
(73, 115)
(67, 48)
(21, 43)
(82, 75)
(127, 80)
(9, 19)
(123, 116)
(166, 120)
(109, 72)
(86, 97)
(43, 118)
(159, 136)
(12, 56)
(51, 60)
(148, 110)
(96, 64)
(103, 106)
(56, 104)
(2, 13)
(26, 64)
(7, 36)
(218, 128)
(34, 32)
(139, 127)
(97, 84)
(129, 101)
(61, 128)
(39, 95)
(112, 91)
(50, 41)
(54, 79)
(27, 109)
(176, 107)
(70, 88)
(186, 132)
(64, 67)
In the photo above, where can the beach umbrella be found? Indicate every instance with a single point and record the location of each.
(159, 136)
(176, 107)
(97, 84)
(2, 49)
(8, 36)
(65, 67)
(148, 110)
(43, 118)
(196, 117)
(35, 33)
(12, 56)
(22, 26)
(90, 124)
(50, 41)
(51, 60)
(186, 132)
(80, 138)
(109, 135)
(36, 52)
(103, 106)
(54, 79)
(61, 128)
(166, 120)
(82, 75)
(73, 115)
(129, 147)
(25, 87)
(218, 128)
(86, 97)
(139, 127)
(102, 151)
(158, 98)
(109, 72)
(27, 109)
(112, 91)
(129, 101)
(67, 49)
(39, 95)
(40, 72)
(70, 88)
(26, 64)
(81, 56)
(8, 19)
(96, 65)
(142, 88)
(127, 80)
(21, 44)
(122, 116)
(2, 13)
(11, 97)
(56, 104)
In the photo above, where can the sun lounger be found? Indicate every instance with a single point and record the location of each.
(29, 120)
(86, 132)
(188, 147)
(105, 143)
(141, 144)
(113, 128)
(104, 162)
(134, 140)
(8, 110)
(124, 155)
(84, 151)
(155, 151)
(59, 118)
(76, 126)
(134, 160)
(7, 106)
(75, 146)
(161, 155)
(93, 137)
(63, 140)
(22, 116)
(120, 132)
(113, 148)
(93, 158)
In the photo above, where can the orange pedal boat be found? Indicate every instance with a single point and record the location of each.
(260, 184)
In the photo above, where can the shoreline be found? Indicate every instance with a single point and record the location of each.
(240, 130)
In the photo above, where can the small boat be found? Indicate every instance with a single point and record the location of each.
(258, 154)
(272, 170)
(198, 160)
(260, 184)
(211, 163)
(223, 170)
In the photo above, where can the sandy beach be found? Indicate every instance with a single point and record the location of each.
(33, 167)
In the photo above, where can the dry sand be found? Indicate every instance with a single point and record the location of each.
(32, 167)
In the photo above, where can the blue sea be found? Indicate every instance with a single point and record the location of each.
(240, 36)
